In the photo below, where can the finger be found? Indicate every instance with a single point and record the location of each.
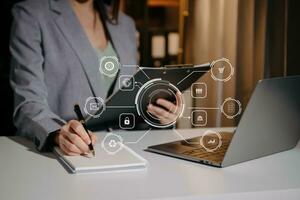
(76, 140)
(165, 121)
(162, 119)
(70, 146)
(79, 130)
(167, 104)
(179, 102)
(68, 133)
(94, 138)
(158, 111)
(67, 151)
(162, 115)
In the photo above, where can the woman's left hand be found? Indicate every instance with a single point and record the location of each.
(170, 111)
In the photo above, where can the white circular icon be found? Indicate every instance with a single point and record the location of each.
(231, 108)
(211, 141)
(94, 106)
(221, 70)
(109, 65)
(112, 143)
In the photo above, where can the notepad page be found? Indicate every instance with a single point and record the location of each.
(125, 158)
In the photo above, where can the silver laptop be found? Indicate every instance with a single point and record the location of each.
(270, 124)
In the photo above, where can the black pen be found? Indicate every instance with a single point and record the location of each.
(82, 121)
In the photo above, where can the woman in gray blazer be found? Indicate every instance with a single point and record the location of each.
(56, 47)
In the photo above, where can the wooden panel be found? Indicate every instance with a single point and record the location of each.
(163, 3)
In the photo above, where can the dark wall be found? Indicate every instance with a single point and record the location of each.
(275, 41)
(6, 105)
(293, 39)
(283, 38)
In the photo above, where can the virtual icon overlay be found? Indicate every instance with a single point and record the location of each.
(150, 92)
(211, 141)
(199, 118)
(94, 106)
(109, 66)
(199, 90)
(112, 143)
(221, 70)
(126, 83)
(127, 121)
(231, 108)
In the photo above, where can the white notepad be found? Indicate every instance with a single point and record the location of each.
(124, 160)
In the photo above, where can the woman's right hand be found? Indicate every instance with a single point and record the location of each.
(73, 140)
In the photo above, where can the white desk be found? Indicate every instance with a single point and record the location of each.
(28, 175)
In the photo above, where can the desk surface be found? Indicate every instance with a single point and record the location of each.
(26, 174)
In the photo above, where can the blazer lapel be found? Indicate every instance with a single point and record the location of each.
(69, 25)
(123, 54)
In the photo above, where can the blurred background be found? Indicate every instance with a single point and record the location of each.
(261, 39)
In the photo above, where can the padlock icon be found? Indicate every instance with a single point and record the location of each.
(127, 121)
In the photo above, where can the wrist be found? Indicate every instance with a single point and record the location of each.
(56, 138)
(50, 141)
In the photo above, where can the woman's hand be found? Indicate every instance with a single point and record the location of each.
(170, 112)
(73, 140)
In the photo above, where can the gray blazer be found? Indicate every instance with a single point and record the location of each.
(53, 65)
